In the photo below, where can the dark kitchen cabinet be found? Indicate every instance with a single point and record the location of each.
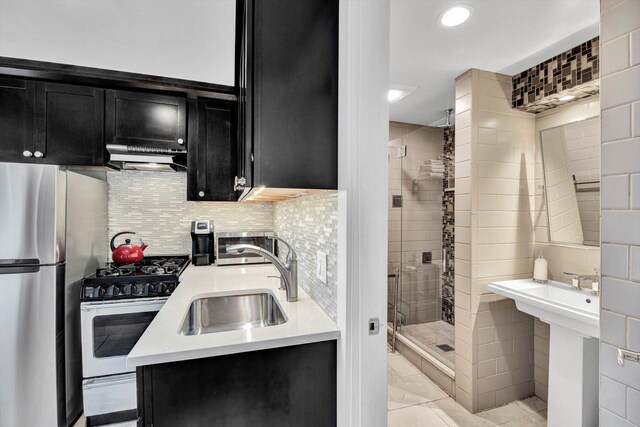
(70, 125)
(17, 119)
(145, 119)
(287, 74)
(286, 386)
(213, 153)
(51, 123)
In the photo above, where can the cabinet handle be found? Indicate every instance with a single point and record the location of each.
(38, 154)
(201, 194)
(27, 153)
(180, 141)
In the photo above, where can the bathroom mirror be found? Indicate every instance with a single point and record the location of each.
(571, 162)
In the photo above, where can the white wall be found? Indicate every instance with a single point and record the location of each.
(187, 39)
(362, 216)
(620, 307)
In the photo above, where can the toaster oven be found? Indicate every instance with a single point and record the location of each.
(257, 238)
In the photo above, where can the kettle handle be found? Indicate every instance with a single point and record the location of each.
(113, 247)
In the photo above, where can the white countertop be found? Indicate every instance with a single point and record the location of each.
(162, 341)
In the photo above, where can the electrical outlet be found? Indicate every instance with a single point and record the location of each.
(321, 267)
(426, 257)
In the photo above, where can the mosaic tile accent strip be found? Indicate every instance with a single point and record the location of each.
(155, 206)
(448, 229)
(574, 72)
(310, 224)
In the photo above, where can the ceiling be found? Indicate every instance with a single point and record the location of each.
(506, 36)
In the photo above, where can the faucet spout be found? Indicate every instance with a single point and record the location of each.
(288, 270)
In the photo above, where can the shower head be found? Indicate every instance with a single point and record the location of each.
(444, 122)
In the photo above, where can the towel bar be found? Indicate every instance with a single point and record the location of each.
(627, 355)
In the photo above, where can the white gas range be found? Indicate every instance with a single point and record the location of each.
(118, 304)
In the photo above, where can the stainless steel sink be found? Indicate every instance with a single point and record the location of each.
(231, 312)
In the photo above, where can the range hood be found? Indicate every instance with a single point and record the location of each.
(147, 158)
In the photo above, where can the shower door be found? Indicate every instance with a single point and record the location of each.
(415, 241)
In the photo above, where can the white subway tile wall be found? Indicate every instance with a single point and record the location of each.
(620, 312)
(155, 206)
(310, 224)
(494, 241)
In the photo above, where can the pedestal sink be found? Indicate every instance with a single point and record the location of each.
(574, 316)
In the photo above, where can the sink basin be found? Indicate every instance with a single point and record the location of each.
(555, 303)
(231, 312)
(574, 319)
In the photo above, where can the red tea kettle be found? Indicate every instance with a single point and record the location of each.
(127, 253)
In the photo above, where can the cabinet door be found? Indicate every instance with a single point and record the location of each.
(244, 68)
(295, 90)
(143, 119)
(17, 120)
(212, 156)
(70, 123)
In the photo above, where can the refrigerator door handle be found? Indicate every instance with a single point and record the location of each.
(20, 270)
(18, 266)
(18, 262)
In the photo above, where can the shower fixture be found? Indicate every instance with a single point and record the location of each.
(445, 121)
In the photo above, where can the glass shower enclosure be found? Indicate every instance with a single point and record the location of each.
(419, 304)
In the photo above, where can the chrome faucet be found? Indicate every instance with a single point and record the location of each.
(593, 281)
(288, 270)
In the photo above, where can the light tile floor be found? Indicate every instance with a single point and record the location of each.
(428, 335)
(415, 401)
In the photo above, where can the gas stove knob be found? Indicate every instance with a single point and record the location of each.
(113, 291)
(90, 292)
(147, 289)
(130, 289)
(171, 287)
(98, 292)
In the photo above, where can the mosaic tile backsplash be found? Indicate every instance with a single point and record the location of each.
(155, 206)
(448, 236)
(310, 224)
(574, 72)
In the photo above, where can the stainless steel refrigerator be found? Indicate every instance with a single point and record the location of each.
(53, 232)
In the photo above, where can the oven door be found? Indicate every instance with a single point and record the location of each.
(224, 240)
(110, 330)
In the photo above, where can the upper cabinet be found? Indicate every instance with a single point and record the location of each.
(17, 119)
(70, 123)
(144, 119)
(213, 154)
(51, 123)
(287, 65)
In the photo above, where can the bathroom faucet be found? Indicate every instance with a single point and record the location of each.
(288, 270)
(577, 279)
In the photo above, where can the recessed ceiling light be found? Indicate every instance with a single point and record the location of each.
(397, 92)
(455, 15)
(567, 98)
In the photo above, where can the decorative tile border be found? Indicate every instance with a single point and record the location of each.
(448, 241)
(574, 72)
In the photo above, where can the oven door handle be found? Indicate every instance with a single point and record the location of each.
(94, 306)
